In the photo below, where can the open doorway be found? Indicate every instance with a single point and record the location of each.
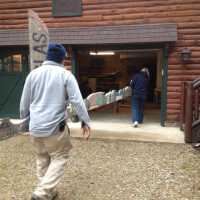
(112, 70)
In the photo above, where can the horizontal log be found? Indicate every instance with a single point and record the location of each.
(174, 19)
(173, 106)
(194, 48)
(58, 25)
(191, 31)
(136, 16)
(91, 21)
(182, 66)
(175, 72)
(81, 24)
(173, 95)
(172, 117)
(139, 17)
(120, 21)
(178, 60)
(175, 77)
(178, 3)
(176, 67)
(47, 16)
(171, 9)
(174, 83)
(173, 111)
(190, 37)
(113, 12)
(155, 14)
(138, 4)
(187, 43)
(183, 25)
(14, 22)
(174, 89)
(21, 26)
(195, 54)
(23, 1)
(169, 101)
(177, 57)
(22, 16)
(74, 20)
(68, 62)
(30, 4)
(184, 73)
(183, 77)
(169, 2)
(25, 10)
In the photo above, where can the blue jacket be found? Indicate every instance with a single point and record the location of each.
(139, 84)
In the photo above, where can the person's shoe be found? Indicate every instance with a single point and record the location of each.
(55, 194)
(196, 146)
(135, 124)
(35, 197)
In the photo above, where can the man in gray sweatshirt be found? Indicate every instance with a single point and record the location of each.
(43, 106)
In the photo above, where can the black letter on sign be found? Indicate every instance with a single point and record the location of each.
(38, 63)
(40, 48)
(38, 38)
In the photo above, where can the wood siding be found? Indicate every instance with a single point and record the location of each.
(186, 14)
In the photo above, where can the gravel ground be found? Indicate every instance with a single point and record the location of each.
(107, 170)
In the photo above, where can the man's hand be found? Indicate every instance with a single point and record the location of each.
(86, 131)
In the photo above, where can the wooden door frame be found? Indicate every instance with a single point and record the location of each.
(163, 47)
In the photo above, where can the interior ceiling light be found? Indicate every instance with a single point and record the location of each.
(92, 53)
(101, 53)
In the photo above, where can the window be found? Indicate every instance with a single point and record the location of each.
(7, 61)
(17, 63)
(11, 63)
(67, 8)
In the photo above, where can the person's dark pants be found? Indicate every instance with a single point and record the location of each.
(137, 108)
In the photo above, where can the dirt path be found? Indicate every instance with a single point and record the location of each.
(107, 170)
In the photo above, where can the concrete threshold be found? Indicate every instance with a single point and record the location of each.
(150, 132)
(123, 130)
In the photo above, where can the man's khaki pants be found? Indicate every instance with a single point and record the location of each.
(52, 155)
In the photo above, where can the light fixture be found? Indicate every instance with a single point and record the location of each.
(101, 53)
(185, 55)
(92, 53)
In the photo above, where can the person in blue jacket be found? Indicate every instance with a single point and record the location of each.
(139, 84)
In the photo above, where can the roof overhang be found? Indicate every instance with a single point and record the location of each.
(124, 34)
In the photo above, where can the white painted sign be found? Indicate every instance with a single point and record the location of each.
(38, 39)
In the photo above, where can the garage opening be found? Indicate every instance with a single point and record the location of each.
(108, 70)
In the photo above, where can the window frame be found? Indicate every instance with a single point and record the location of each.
(3, 69)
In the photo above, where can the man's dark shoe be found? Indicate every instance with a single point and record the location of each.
(35, 197)
(55, 195)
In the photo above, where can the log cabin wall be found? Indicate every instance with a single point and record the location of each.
(186, 14)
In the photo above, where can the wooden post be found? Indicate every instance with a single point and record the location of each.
(163, 111)
(188, 113)
(115, 107)
(196, 104)
(182, 111)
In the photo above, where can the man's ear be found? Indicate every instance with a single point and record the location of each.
(63, 62)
